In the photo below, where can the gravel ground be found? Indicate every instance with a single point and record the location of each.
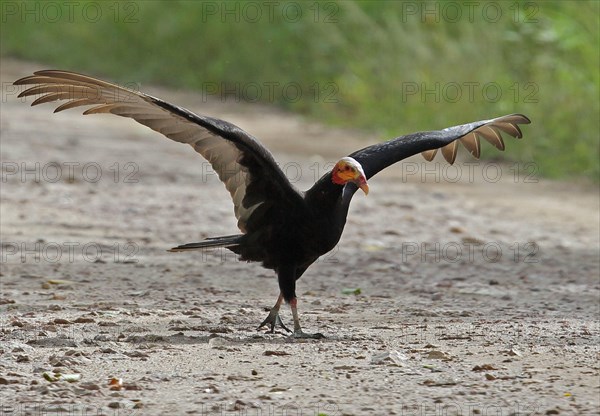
(475, 295)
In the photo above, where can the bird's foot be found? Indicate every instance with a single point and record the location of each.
(273, 320)
(303, 335)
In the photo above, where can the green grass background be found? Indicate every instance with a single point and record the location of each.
(541, 56)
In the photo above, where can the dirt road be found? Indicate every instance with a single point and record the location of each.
(454, 291)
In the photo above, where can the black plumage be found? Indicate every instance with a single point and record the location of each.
(284, 229)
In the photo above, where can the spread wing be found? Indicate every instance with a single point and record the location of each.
(379, 156)
(247, 169)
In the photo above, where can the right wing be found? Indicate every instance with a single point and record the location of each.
(247, 168)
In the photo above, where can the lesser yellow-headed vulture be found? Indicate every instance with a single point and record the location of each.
(284, 229)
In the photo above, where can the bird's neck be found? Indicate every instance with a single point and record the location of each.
(330, 198)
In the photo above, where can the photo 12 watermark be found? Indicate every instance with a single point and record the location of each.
(67, 409)
(224, 255)
(294, 171)
(68, 172)
(469, 92)
(470, 172)
(235, 408)
(67, 252)
(469, 11)
(270, 92)
(500, 332)
(70, 11)
(469, 408)
(469, 251)
(270, 11)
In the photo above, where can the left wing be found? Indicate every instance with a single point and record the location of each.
(381, 155)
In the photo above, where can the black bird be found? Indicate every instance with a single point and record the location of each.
(283, 228)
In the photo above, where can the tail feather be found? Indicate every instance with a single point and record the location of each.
(225, 241)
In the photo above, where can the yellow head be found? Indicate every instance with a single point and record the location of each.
(349, 170)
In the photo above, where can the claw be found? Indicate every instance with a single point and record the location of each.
(273, 320)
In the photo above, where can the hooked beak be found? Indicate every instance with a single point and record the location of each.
(365, 188)
(359, 179)
(362, 184)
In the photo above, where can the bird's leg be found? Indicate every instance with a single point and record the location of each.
(273, 318)
(298, 333)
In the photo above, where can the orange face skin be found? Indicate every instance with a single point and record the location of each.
(349, 170)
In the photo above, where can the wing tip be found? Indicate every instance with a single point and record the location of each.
(527, 120)
(510, 118)
(508, 124)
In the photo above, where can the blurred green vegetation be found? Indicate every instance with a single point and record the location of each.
(384, 66)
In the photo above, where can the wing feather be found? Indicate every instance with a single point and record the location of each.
(492, 135)
(471, 142)
(449, 152)
(381, 155)
(247, 169)
(429, 154)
